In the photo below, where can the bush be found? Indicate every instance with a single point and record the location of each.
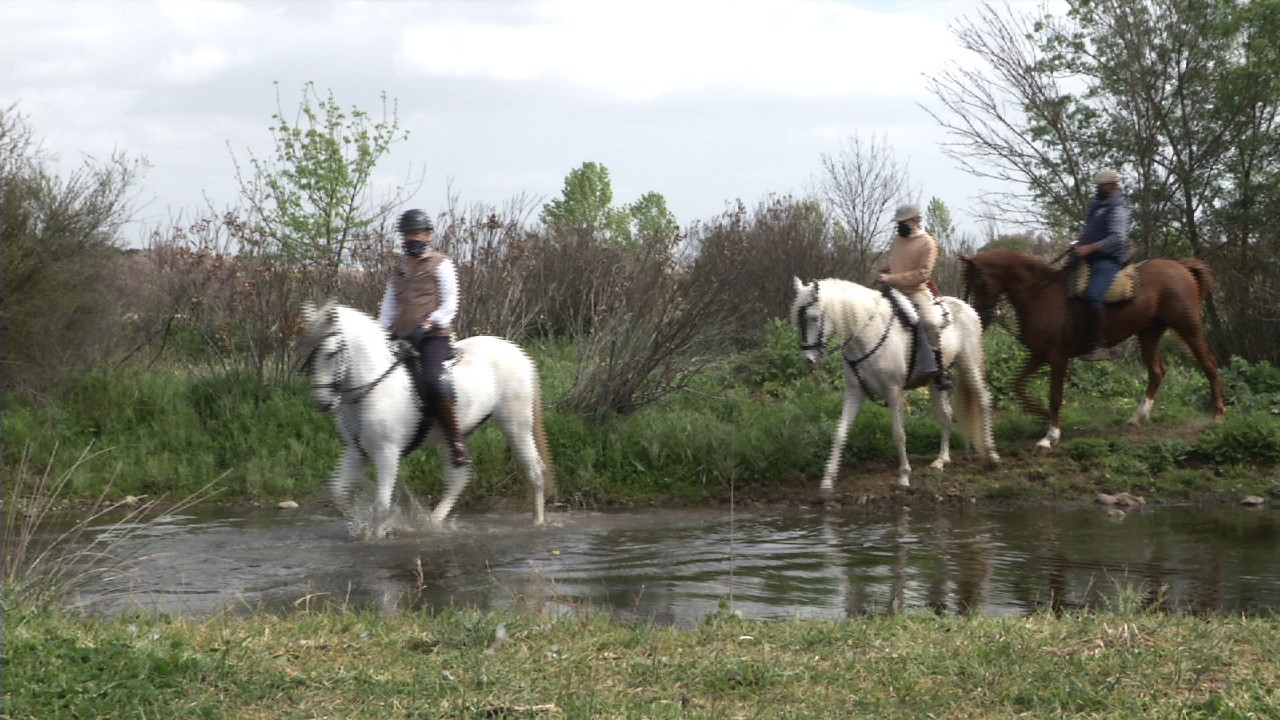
(1248, 438)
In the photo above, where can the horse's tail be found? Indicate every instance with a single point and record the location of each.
(1199, 270)
(540, 439)
(971, 394)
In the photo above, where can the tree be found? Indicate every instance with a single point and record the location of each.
(938, 223)
(59, 258)
(314, 195)
(861, 184)
(585, 206)
(1181, 95)
(652, 224)
(1173, 92)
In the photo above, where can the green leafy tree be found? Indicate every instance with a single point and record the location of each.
(585, 207)
(315, 195)
(653, 224)
(938, 223)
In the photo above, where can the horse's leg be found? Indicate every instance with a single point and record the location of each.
(1032, 405)
(942, 407)
(1057, 377)
(349, 470)
(387, 461)
(525, 448)
(1149, 342)
(895, 401)
(455, 480)
(852, 402)
(1199, 347)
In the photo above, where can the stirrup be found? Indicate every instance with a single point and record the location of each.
(943, 379)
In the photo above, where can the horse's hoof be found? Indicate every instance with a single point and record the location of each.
(904, 483)
(993, 460)
(1043, 448)
(938, 464)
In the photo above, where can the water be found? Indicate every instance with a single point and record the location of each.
(677, 567)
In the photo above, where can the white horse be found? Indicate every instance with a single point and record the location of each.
(877, 358)
(356, 370)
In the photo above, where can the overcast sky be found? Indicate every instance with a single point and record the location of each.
(703, 101)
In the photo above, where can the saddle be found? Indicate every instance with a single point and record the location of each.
(1122, 289)
(413, 363)
(923, 366)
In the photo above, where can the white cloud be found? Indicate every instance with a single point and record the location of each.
(195, 65)
(637, 51)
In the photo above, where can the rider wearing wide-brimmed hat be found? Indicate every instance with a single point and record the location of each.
(420, 305)
(912, 256)
(1104, 244)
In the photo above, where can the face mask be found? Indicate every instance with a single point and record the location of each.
(415, 248)
(904, 229)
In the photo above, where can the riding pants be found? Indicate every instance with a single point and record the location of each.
(930, 316)
(1102, 271)
(433, 351)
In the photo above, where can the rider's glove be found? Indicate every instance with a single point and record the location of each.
(416, 336)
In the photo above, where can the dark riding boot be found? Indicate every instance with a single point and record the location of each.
(943, 378)
(449, 421)
(1094, 336)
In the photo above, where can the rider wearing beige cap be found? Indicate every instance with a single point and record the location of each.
(912, 256)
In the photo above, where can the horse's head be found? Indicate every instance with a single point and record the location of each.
(982, 289)
(807, 317)
(325, 355)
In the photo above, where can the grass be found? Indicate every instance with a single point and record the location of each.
(472, 664)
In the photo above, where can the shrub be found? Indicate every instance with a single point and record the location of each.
(1252, 437)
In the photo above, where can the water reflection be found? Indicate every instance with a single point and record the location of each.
(678, 566)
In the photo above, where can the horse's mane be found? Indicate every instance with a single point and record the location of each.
(849, 305)
(333, 314)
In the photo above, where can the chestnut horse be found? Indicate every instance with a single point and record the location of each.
(1052, 327)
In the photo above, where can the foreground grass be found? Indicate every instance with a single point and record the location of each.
(470, 664)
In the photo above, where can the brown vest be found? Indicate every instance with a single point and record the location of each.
(418, 294)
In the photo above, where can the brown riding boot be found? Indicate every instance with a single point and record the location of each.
(1096, 343)
(943, 378)
(449, 421)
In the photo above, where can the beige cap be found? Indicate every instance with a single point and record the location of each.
(906, 212)
(1106, 176)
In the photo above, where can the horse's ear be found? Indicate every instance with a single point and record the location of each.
(308, 311)
(796, 284)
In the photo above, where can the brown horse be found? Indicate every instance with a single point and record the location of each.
(1052, 327)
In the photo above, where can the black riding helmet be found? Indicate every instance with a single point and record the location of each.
(413, 220)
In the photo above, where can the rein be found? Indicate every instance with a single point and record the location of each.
(854, 363)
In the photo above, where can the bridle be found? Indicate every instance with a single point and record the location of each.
(802, 320)
(357, 394)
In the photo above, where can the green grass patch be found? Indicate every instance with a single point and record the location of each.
(472, 664)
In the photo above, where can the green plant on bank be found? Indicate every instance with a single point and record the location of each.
(476, 664)
(764, 420)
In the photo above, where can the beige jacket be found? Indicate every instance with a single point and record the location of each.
(911, 261)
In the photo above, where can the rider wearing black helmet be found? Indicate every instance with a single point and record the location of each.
(420, 305)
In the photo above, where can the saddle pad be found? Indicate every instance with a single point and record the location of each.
(1124, 287)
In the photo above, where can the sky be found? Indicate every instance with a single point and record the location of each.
(705, 101)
